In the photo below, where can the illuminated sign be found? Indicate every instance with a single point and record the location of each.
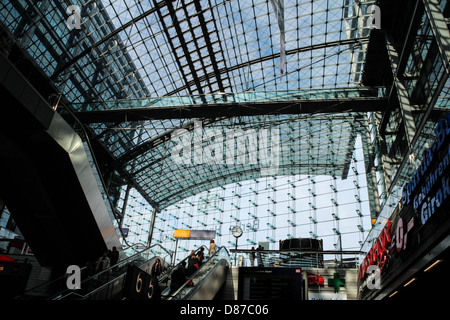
(315, 280)
(182, 234)
(405, 237)
(379, 254)
(336, 282)
(401, 234)
(435, 187)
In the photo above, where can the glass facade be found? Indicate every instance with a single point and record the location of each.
(335, 172)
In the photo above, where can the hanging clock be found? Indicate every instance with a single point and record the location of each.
(236, 231)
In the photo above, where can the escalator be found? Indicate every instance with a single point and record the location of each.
(141, 285)
(111, 284)
(104, 285)
(48, 183)
(204, 283)
(116, 282)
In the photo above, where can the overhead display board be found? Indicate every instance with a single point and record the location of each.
(270, 284)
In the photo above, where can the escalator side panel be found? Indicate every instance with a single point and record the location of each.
(71, 142)
(211, 284)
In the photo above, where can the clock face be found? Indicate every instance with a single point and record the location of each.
(236, 231)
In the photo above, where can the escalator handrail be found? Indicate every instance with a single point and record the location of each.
(81, 269)
(192, 276)
(112, 267)
(167, 273)
(106, 270)
(173, 267)
(83, 296)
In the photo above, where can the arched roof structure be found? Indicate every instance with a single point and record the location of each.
(134, 71)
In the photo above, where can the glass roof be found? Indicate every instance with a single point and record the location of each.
(173, 49)
(129, 49)
(307, 145)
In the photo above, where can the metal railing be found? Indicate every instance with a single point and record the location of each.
(296, 258)
(112, 289)
(194, 280)
(98, 282)
(128, 255)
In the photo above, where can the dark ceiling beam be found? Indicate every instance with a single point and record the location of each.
(409, 33)
(183, 44)
(195, 41)
(208, 42)
(363, 104)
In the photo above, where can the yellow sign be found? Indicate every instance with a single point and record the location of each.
(194, 234)
(185, 234)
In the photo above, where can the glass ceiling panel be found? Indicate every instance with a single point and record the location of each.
(315, 145)
(129, 49)
(152, 49)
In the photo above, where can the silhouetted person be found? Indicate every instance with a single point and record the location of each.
(259, 257)
(114, 256)
(103, 263)
(252, 257)
(178, 277)
(201, 256)
(192, 263)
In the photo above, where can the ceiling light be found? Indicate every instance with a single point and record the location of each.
(409, 282)
(433, 265)
(393, 294)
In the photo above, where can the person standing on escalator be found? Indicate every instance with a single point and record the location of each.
(192, 263)
(200, 256)
(103, 264)
(114, 256)
(212, 250)
(178, 277)
(156, 268)
(192, 266)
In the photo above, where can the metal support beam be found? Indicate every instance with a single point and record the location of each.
(183, 44)
(208, 42)
(405, 105)
(440, 30)
(124, 206)
(31, 19)
(407, 46)
(384, 160)
(431, 101)
(442, 39)
(360, 104)
(371, 177)
(152, 227)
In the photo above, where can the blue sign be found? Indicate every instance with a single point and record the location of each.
(430, 185)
